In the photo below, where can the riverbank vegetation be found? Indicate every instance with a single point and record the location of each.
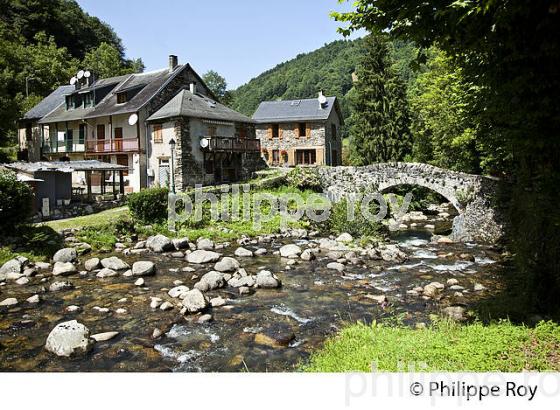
(443, 347)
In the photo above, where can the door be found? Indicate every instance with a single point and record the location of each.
(163, 172)
(118, 139)
(101, 138)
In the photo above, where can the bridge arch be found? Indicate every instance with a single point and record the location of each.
(472, 195)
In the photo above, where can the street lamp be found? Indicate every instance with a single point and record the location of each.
(172, 145)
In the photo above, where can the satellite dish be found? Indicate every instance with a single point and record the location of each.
(73, 80)
(322, 99)
(80, 74)
(204, 143)
(133, 119)
(87, 74)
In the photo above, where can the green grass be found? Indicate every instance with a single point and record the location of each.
(38, 243)
(100, 218)
(444, 347)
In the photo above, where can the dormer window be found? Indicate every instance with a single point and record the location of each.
(122, 98)
(88, 100)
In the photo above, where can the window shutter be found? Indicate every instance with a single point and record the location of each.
(296, 130)
(308, 131)
(280, 131)
(270, 132)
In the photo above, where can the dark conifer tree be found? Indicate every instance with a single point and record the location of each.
(379, 125)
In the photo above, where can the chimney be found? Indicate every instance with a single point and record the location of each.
(323, 102)
(173, 62)
(193, 87)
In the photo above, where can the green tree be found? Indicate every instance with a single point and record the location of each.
(511, 51)
(105, 61)
(444, 131)
(216, 83)
(379, 130)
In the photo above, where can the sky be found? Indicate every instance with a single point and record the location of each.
(238, 39)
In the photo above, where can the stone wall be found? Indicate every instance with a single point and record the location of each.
(474, 196)
(318, 137)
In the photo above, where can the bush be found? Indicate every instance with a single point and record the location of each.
(15, 201)
(149, 206)
(305, 179)
(339, 222)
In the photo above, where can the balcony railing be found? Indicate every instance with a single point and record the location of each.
(65, 146)
(224, 144)
(114, 145)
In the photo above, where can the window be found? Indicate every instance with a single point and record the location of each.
(28, 132)
(82, 134)
(333, 131)
(101, 132)
(122, 98)
(275, 130)
(157, 133)
(118, 139)
(118, 133)
(88, 100)
(209, 163)
(275, 156)
(306, 157)
(212, 131)
(302, 129)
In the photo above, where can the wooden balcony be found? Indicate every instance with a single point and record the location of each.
(224, 144)
(112, 146)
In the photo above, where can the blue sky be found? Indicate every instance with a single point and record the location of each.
(239, 39)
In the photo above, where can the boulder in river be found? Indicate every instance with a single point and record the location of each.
(106, 273)
(307, 255)
(181, 243)
(392, 253)
(114, 263)
(243, 253)
(178, 292)
(143, 268)
(92, 264)
(59, 286)
(344, 237)
(64, 269)
(227, 265)
(14, 267)
(456, 313)
(103, 337)
(195, 301)
(202, 256)
(267, 280)
(277, 336)
(336, 266)
(9, 302)
(210, 281)
(290, 251)
(65, 255)
(69, 338)
(204, 244)
(159, 244)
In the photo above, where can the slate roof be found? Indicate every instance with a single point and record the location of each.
(294, 110)
(150, 83)
(49, 103)
(64, 166)
(186, 104)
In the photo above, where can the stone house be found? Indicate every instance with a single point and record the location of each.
(214, 143)
(106, 120)
(300, 132)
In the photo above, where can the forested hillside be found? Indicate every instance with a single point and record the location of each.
(42, 44)
(329, 68)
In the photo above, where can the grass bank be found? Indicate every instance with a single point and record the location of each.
(444, 347)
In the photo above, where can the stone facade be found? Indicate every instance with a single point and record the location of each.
(474, 196)
(323, 137)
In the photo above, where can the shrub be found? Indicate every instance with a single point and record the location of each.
(149, 206)
(15, 201)
(360, 226)
(305, 179)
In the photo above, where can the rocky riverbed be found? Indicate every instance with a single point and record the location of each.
(261, 304)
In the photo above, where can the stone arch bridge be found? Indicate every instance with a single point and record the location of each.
(474, 196)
